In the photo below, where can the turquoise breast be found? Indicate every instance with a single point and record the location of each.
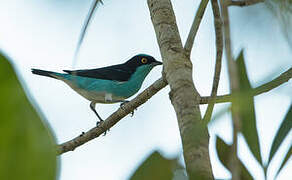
(119, 89)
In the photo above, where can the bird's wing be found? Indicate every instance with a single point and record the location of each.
(116, 73)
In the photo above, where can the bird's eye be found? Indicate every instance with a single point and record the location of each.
(144, 60)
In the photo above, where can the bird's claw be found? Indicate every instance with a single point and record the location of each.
(123, 104)
(82, 134)
(132, 113)
(98, 124)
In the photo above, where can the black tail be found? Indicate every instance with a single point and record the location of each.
(43, 73)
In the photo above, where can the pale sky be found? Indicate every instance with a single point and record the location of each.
(43, 34)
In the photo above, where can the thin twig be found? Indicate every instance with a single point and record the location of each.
(234, 87)
(243, 2)
(113, 118)
(195, 26)
(284, 77)
(84, 28)
(219, 48)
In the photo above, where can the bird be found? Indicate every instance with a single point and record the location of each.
(107, 85)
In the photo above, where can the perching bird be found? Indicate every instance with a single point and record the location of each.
(110, 84)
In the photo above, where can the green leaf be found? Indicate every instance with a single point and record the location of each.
(283, 131)
(223, 151)
(287, 157)
(155, 167)
(244, 174)
(27, 147)
(244, 103)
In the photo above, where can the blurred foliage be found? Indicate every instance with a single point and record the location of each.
(287, 157)
(85, 27)
(283, 131)
(282, 9)
(180, 173)
(224, 150)
(27, 146)
(243, 105)
(244, 174)
(155, 167)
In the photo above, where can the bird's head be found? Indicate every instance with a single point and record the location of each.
(142, 60)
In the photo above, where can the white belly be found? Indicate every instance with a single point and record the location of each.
(99, 97)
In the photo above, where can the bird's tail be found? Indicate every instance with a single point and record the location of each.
(44, 73)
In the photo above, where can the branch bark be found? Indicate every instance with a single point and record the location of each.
(219, 48)
(183, 95)
(195, 26)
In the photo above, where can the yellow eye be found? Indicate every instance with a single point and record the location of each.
(144, 60)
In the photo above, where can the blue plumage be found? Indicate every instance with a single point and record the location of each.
(110, 84)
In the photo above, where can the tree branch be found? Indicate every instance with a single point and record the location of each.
(195, 26)
(284, 77)
(219, 48)
(183, 95)
(243, 2)
(113, 118)
(234, 87)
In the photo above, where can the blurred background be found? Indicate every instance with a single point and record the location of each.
(44, 33)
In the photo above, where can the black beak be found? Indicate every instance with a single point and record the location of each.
(155, 63)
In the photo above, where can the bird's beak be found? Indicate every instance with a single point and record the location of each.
(155, 63)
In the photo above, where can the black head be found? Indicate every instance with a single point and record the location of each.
(142, 59)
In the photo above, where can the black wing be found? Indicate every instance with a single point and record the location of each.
(116, 73)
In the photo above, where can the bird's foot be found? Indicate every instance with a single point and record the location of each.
(123, 104)
(99, 122)
(82, 134)
(98, 125)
